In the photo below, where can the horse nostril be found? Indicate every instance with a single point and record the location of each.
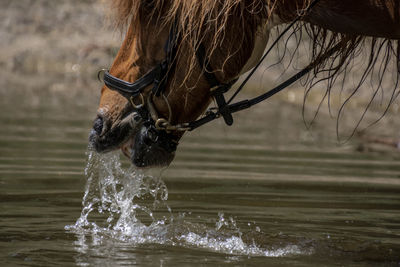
(98, 125)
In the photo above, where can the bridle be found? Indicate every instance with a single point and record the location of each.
(156, 127)
(160, 130)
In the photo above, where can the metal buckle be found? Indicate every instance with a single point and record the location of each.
(161, 124)
(100, 75)
(137, 106)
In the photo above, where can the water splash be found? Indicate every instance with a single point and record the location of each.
(126, 205)
(110, 203)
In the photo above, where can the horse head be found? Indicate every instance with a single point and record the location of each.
(158, 82)
(178, 55)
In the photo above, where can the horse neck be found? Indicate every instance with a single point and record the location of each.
(189, 94)
(380, 18)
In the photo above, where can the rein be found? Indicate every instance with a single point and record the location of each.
(159, 129)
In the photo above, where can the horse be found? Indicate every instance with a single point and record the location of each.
(179, 55)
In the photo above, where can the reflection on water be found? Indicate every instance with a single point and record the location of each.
(245, 195)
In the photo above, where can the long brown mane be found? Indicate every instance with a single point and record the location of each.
(208, 19)
(380, 68)
(196, 20)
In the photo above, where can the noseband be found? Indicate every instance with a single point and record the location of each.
(159, 130)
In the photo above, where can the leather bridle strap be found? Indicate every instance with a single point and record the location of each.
(245, 104)
(128, 89)
(158, 75)
(217, 88)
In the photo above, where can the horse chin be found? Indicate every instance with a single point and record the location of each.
(127, 148)
(144, 154)
(149, 159)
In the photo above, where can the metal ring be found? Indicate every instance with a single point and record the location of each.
(131, 99)
(168, 106)
(161, 124)
(100, 75)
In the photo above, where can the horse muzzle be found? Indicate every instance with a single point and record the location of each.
(106, 136)
(139, 140)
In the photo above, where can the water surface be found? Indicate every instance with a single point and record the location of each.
(263, 192)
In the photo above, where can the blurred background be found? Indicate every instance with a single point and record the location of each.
(271, 168)
(52, 50)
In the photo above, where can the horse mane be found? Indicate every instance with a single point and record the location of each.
(195, 20)
(201, 18)
(378, 67)
(192, 15)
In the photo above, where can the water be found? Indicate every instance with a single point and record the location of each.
(263, 192)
